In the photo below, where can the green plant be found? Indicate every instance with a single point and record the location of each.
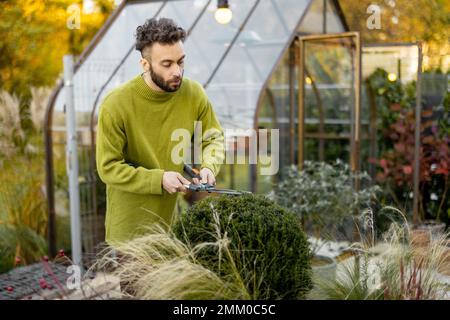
(323, 195)
(160, 266)
(23, 216)
(409, 274)
(396, 163)
(352, 283)
(391, 270)
(264, 244)
(395, 105)
(12, 135)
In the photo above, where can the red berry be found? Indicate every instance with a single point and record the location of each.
(42, 283)
(10, 289)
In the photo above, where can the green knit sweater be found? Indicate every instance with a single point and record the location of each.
(135, 125)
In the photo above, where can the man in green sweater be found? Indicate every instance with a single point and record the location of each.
(136, 125)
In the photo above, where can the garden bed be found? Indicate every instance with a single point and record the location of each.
(26, 282)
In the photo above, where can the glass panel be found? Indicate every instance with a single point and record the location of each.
(388, 101)
(334, 22)
(402, 60)
(173, 10)
(114, 45)
(271, 116)
(396, 61)
(329, 98)
(107, 55)
(313, 21)
(234, 94)
(275, 113)
(209, 39)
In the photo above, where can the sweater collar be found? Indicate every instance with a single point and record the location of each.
(150, 94)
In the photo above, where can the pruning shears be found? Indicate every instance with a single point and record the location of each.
(207, 187)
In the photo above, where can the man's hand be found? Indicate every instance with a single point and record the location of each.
(207, 176)
(174, 182)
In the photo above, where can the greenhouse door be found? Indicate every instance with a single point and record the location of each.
(329, 103)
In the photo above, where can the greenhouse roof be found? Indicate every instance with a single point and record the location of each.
(233, 61)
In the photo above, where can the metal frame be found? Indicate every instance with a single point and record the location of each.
(293, 61)
(292, 38)
(72, 163)
(416, 217)
(418, 117)
(321, 136)
(356, 121)
(341, 15)
(225, 54)
(294, 58)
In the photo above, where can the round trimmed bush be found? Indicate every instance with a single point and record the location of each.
(253, 237)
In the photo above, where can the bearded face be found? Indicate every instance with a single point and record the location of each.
(165, 65)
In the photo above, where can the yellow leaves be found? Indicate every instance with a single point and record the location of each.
(31, 7)
(429, 24)
(21, 198)
(35, 35)
(91, 20)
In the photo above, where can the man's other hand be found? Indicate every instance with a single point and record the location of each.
(207, 176)
(174, 182)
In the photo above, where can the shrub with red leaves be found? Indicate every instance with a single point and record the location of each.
(396, 164)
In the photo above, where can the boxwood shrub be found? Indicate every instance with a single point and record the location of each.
(267, 245)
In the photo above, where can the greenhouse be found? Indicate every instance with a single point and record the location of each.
(263, 95)
(257, 41)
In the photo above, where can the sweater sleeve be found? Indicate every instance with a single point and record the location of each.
(111, 165)
(213, 151)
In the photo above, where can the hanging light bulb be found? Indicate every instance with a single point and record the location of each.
(223, 13)
(392, 77)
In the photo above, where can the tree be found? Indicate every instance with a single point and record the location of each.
(405, 21)
(34, 39)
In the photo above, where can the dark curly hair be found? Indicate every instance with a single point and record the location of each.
(162, 30)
